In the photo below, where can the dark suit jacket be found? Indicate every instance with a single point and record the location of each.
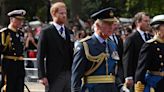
(57, 51)
(132, 48)
(120, 53)
(120, 46)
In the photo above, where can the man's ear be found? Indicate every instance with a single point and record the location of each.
(54, 13)
(98, 26)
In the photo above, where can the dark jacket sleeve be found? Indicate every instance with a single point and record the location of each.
(78, 68)
(41, 54)
(144, 57)
(128, 56)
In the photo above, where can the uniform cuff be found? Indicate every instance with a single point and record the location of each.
(139, 87)
(129, 78)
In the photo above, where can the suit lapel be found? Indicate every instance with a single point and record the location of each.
(58, 39)
(67, 34)
(138, 35)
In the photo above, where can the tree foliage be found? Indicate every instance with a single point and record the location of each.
(127, 8)
(84, 8)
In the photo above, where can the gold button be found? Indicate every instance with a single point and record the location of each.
(158, 49)
(162, 64)
(13, 48)
(155, 42)
(160, 56)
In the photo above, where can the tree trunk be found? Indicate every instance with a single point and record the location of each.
(76, 8)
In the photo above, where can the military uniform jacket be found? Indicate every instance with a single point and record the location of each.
(81, 64)
(151, 58)
(12, 44)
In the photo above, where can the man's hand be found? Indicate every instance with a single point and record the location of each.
(44, 81)
(124, 89)
(129, 82)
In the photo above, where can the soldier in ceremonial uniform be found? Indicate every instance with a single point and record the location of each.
(11, 47)
(150, 71)
(95, 57)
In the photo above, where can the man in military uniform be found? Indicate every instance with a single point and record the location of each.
(95, 57)
(150, 71)
(11, 47)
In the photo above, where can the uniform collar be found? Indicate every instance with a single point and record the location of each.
(100, 39)
(11, 28)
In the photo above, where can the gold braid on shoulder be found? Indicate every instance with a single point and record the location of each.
(95, 59)
(6, 42)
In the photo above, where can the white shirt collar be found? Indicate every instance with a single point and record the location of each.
(58, 29)
(141, 33)
(100, 39)
(58, 26)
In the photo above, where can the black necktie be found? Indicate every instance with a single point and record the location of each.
(114, 39)
(61, 30)
(146, 36)
(104, 43)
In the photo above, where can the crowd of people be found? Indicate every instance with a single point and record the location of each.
(97, 55)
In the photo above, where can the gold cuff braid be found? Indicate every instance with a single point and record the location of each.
(139, 87)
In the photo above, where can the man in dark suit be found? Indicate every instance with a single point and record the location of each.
(55, 45)
(119, 43)
(132, 46)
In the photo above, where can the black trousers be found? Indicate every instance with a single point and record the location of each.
(15, 84)
(159, 87)
(62, 83)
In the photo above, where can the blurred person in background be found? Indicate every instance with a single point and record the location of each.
(116, 38)
(30, 47)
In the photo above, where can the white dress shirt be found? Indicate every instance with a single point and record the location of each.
(142, 34)
(58, 29)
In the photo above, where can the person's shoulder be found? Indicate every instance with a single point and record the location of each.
(47, 27)
(85, 39)
(3, 29)
(151, 41)
(80, 43)
(134, 34)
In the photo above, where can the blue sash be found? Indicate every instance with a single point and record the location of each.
(151, 81)
(111, 62)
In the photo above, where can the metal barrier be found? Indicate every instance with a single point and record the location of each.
(31, 78)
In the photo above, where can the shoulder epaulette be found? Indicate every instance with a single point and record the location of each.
(85, 39)
(3, 29)
(151, 40)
